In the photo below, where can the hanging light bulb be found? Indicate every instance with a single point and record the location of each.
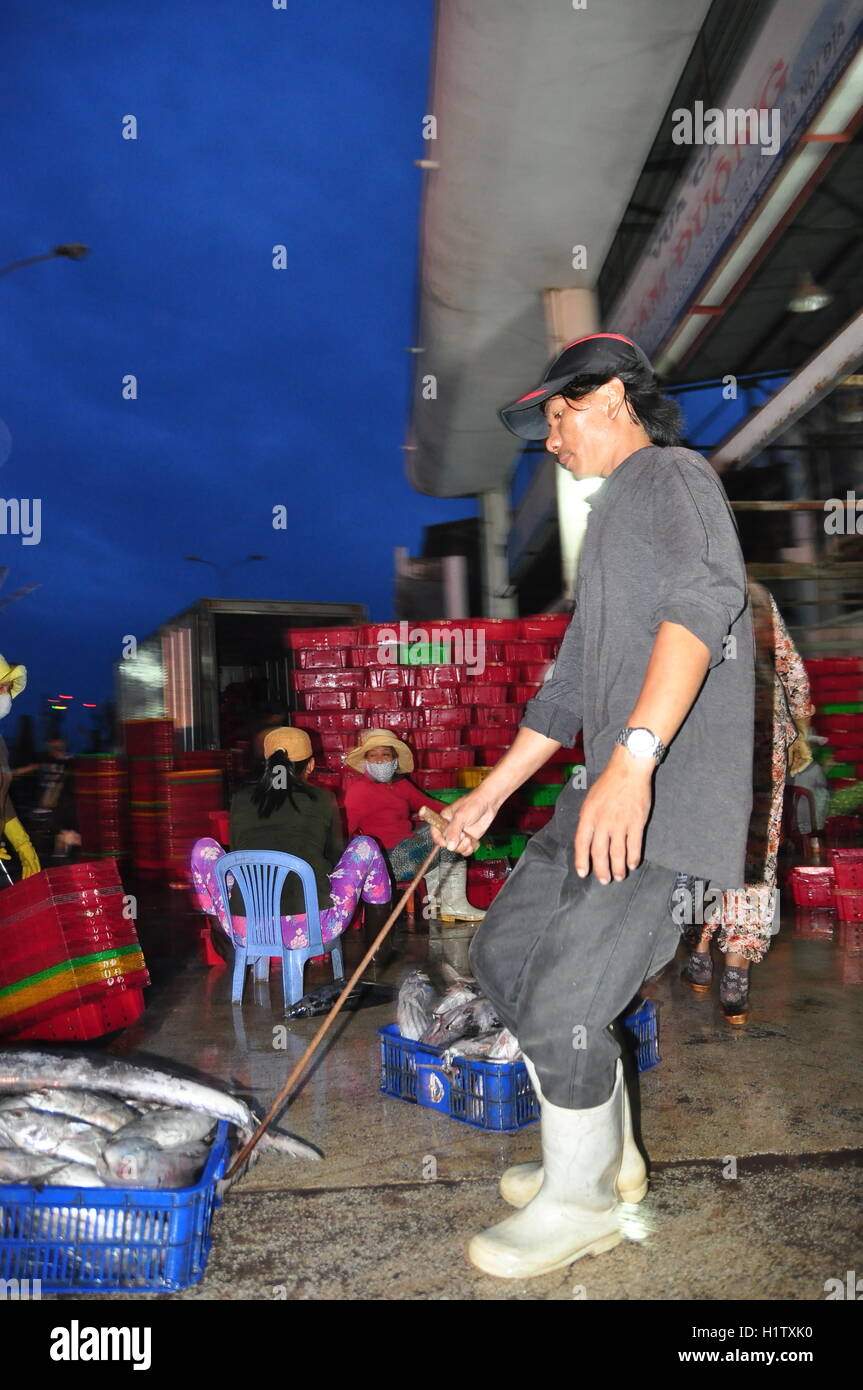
(808, 296)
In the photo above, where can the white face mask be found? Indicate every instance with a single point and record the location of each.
(382, 772)
(5, 704)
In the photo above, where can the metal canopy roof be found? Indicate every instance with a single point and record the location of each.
(545, 117)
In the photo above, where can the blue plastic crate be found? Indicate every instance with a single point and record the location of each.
(144, 1241)
(490, 1095)
(643, 1028)
(495, 1096)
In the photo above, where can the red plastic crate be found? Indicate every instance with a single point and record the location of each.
(325, 777)
(493, 673)
(328, 680)
(812, 886)
(495, 715)
(522, 652)
(322, 638)
(849, 904)
(520, 694)
(431, 696)
(431, 738)
(440, 759)
(375, 657)
(398, 677)
(545, 627)
(323, 659)
(488, 736)
(398, 721)
(331, 721)
(330, 761)
(482, 895)
(487, 755)
(452, 716)
(319, 700)
(440, 675)
(116, 1010)
(847, 868)
(484, 694)
(833, 665)
(487, 871)
(389, 698)
(431, 780)
(829, 724)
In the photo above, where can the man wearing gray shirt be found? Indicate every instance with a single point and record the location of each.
(656, 668)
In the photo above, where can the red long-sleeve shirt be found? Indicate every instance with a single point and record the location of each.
(384, 809)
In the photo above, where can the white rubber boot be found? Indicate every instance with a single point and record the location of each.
(520, 1184)
(575, 1212)
(454, 906)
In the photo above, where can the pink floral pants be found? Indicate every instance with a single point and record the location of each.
(361, 871)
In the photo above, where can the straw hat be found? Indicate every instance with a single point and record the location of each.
(14, 676)
(380, 738)
(294, 743)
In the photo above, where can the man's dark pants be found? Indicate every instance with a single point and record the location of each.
(561, 957)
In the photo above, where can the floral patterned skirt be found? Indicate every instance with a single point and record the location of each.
(361, 872)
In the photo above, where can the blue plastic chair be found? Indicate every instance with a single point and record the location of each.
(260, 877)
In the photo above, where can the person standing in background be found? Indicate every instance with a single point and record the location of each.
(783, 709)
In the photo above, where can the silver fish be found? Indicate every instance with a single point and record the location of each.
(479, 1047)
(415, 1004)
(26, 1069)
(136, 1162)
(452, 1016)
(103, 1111)
(73, 1175)
(169, 1129)
(506, 1049)
(17, 1167)
(35, 1132)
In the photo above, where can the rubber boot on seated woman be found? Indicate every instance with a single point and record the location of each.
(283, 811)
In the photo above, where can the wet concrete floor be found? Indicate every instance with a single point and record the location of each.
(753, 1135)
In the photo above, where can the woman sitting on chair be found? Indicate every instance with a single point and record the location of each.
(283, 811)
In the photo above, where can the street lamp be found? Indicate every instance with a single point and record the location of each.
(73, 251)
(223, 570)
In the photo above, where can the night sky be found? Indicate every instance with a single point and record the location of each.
(256, 387)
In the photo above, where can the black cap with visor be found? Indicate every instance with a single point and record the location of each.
(599, 354)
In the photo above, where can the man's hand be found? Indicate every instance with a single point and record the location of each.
(613, 816)
(469, 816)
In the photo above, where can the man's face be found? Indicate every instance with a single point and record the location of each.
(580, 433)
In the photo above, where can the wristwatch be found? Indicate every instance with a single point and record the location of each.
(641, 743)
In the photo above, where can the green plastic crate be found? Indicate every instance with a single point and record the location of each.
(425, 654)
(542, 793)
(841, 709)
(842, 770)
(449, 794)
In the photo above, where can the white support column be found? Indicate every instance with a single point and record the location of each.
(497, 602)
(570, 314)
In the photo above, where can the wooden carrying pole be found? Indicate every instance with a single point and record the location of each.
(433, 818)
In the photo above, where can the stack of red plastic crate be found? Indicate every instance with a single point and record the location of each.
(837, 693)
(150, 751)
(70, 961)
(192, 796)
(455, 715)
(101, 788)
